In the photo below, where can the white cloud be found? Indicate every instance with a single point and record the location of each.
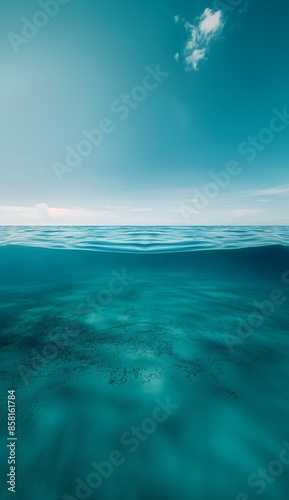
(278, 190)
(196, 56)
(177, 56)
(212, 21)
(205, 28)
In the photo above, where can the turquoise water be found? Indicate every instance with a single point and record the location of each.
(145, 239)
(148, 363)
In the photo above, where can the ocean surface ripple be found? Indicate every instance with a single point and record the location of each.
(161, 239)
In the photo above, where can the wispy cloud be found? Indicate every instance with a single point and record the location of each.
(110, 207)
(184, 210)
(205, 29)
(43, 214)
(277, 190)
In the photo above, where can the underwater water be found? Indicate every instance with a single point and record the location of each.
(148, 363)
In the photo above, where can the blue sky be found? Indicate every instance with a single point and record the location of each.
(144, 113)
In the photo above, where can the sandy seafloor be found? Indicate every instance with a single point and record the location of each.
(164, 335)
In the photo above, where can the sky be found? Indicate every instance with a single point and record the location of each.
(172, 112)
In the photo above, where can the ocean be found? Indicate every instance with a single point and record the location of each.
(147, 363)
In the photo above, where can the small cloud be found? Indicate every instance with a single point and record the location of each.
(178, 19)
(177, 56)
(206, 27)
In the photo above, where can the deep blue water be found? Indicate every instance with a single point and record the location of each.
(99, 326)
